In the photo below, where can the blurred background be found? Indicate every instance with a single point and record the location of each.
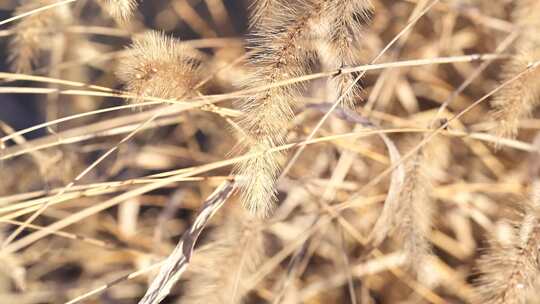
(473, 186)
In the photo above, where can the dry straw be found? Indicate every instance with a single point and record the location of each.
(179, 259)
(358, 211)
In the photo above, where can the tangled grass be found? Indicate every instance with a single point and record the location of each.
(269, 151)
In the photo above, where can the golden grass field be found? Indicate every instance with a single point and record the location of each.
(269, 151)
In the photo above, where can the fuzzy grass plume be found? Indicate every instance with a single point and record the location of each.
(33, 34)
(510, 271)
(158, 66)
(221, 270)
(340, 29)
(408, 216)
(517, 100)
(120, 10)
(284, 47)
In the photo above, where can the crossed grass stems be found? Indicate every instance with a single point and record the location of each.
(200, 102)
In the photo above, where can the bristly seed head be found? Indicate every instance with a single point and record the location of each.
(283, 43)
(120, 10)
(518, 99)
(159, 66)
(33, 34)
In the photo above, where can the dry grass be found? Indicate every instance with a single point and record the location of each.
(383, 151)
(518, 100)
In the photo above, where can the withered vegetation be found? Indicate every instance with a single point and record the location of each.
(269, 151)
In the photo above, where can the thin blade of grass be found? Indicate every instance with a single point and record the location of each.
(179, 259)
